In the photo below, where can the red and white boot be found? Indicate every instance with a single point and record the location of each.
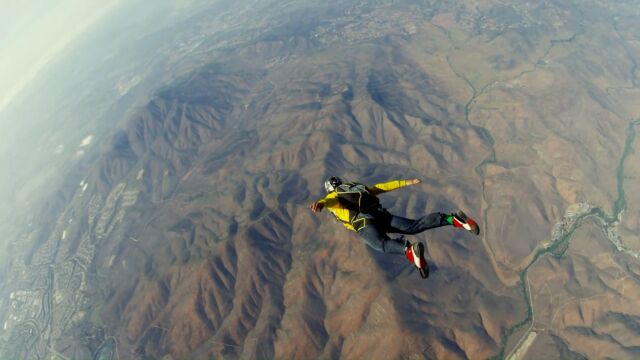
(415, 255)
(461, 220)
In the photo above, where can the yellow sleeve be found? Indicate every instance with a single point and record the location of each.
(329, 201)
(387, 186)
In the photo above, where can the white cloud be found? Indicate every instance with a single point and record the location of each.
(86, 141)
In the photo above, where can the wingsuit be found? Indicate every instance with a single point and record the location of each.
(358, 208)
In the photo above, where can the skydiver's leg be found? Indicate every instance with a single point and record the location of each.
(408, 226)
(377, 239)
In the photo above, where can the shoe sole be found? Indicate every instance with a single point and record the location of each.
(475, 229)
(424, 272)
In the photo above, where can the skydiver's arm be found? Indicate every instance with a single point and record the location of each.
(328, 201)
(392, 185)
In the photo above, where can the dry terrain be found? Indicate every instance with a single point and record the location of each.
(189, 235)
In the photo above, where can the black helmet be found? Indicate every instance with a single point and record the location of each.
(332, 183)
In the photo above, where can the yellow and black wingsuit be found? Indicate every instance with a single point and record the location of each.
(341, 201)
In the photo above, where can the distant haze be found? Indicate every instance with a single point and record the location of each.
(34, 32)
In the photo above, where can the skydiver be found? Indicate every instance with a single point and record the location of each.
(358, 208)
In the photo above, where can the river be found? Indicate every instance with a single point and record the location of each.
(559, 246)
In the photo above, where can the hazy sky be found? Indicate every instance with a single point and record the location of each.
(32, 32)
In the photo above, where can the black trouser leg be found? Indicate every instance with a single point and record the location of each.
(408, 226)
(377, 239)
